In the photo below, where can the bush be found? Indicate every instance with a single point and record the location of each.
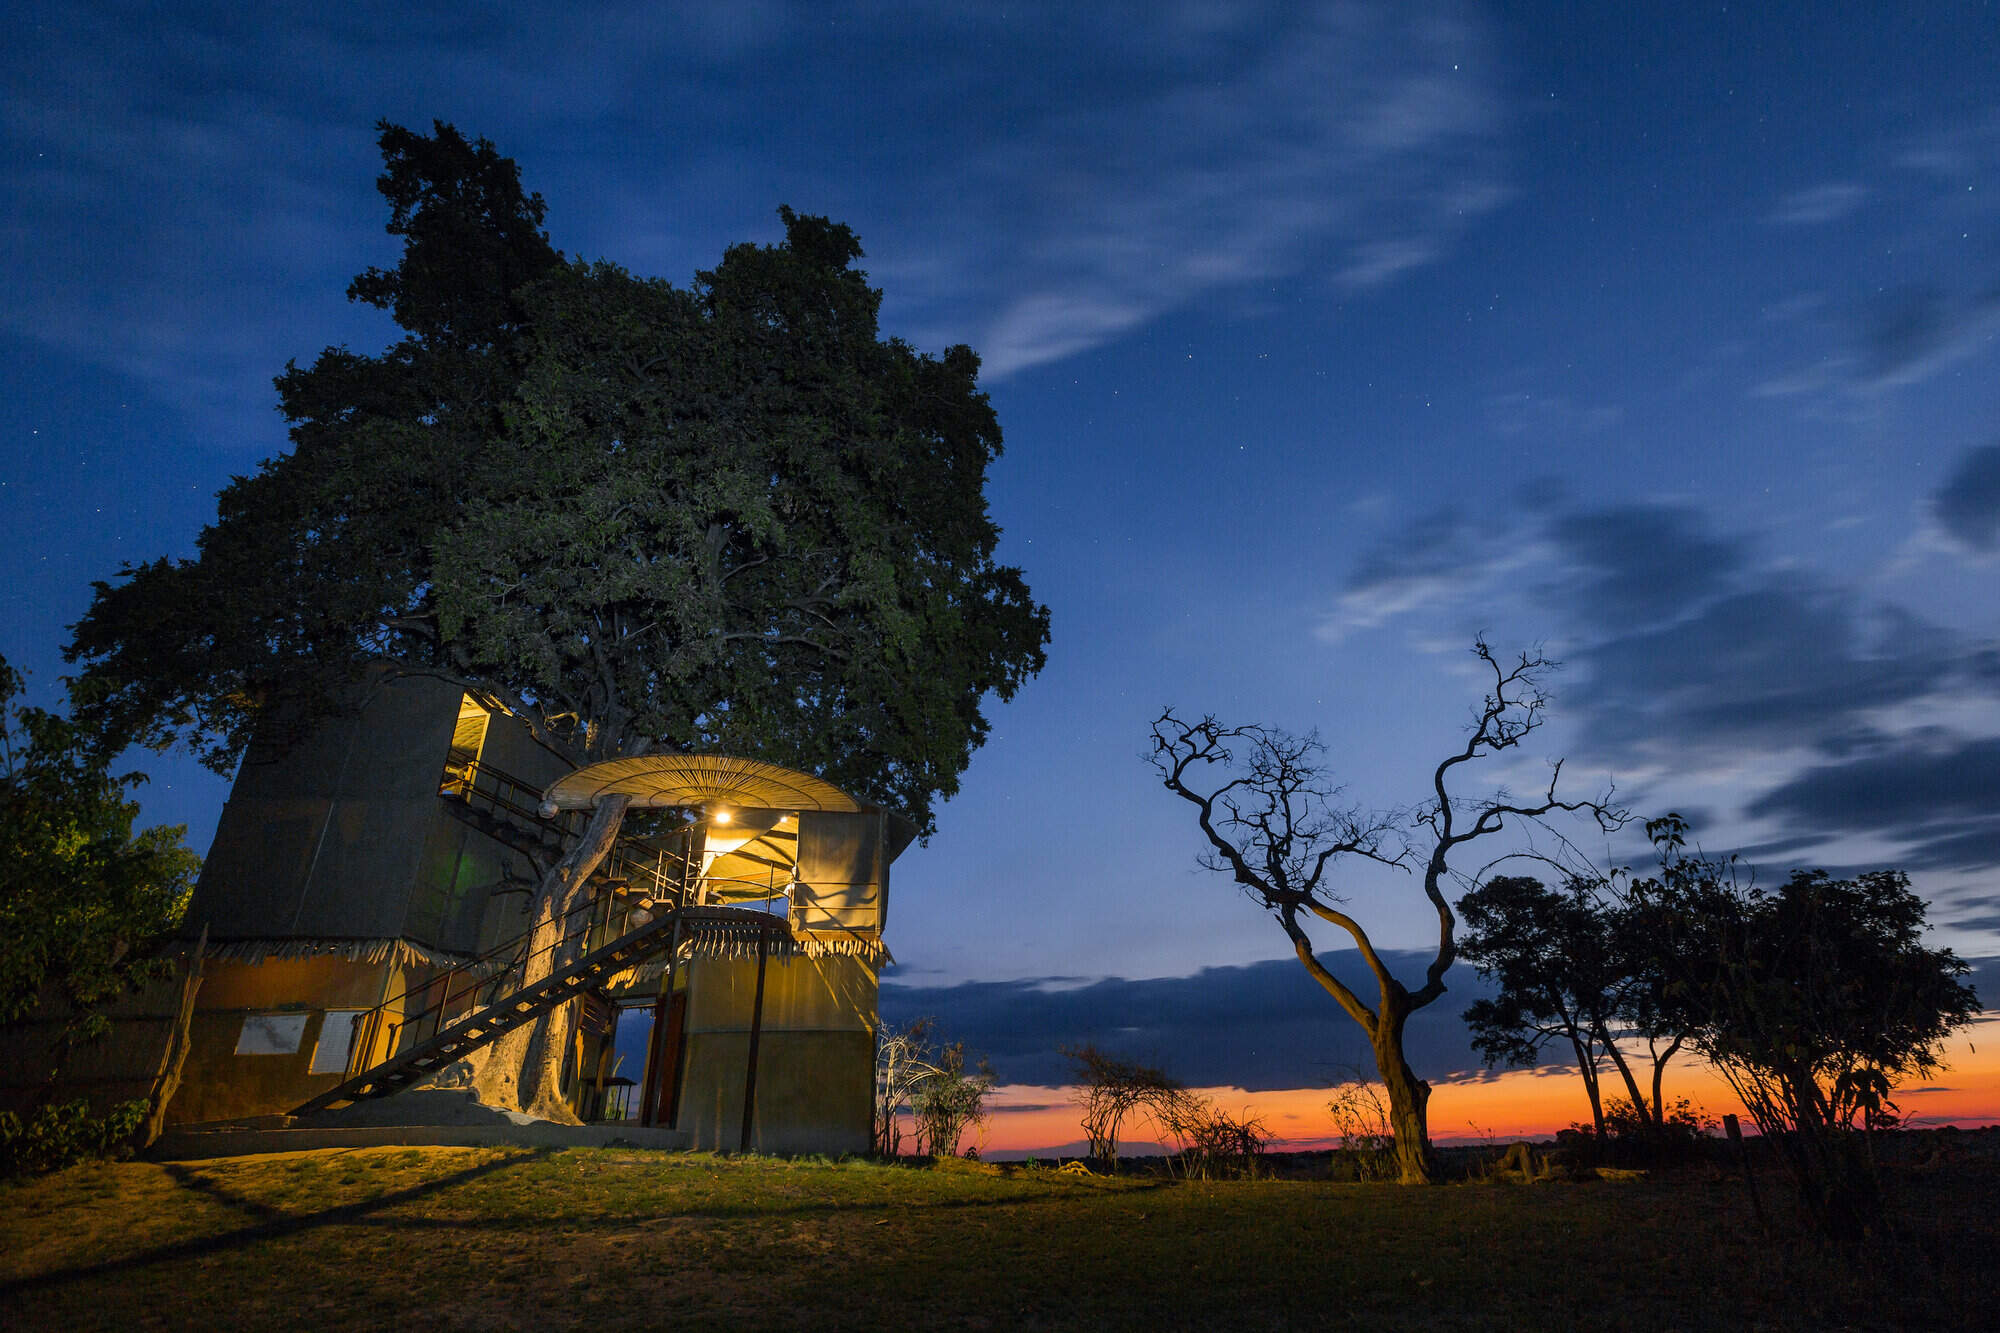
(949, 1101)
(63, 1133)
(1631, 1136)
(1214, 1144)
(1367, 1145)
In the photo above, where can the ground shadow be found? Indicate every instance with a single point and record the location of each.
(273, 1224)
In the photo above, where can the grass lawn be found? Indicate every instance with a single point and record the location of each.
(619, 1238)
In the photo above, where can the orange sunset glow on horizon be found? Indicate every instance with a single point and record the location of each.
(1502, 1107)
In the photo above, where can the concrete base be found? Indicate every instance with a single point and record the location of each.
(192, 1142)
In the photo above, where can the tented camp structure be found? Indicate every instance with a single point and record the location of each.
(366, 902)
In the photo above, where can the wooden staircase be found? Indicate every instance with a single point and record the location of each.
(530, 1002)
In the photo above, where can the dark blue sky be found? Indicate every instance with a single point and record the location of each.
(1324, 337)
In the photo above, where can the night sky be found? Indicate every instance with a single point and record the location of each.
(1324, 338)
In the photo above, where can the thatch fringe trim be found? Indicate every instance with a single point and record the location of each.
(707, 933)
(404, 953)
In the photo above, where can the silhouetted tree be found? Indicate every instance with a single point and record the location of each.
(1568, 966)
(1272, 824)
(730, 517)
(1813, 1001)
(1113, 1088)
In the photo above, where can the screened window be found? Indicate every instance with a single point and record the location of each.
(336, 1041)
(271, 1034)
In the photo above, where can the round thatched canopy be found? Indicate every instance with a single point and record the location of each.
(698, 780)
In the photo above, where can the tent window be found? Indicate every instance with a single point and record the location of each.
(468, 738)
(336, 1041)
(271, 1034)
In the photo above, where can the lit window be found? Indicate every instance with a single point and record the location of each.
(336, 1041)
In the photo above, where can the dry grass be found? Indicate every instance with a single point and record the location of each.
(608, 1239)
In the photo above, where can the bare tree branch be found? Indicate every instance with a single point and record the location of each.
(1277, 827)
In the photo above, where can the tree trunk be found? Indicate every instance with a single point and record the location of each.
(523, 1069)
(1586, 1067)
(168, 1082)
(1660, 1059)
(1631, 1082)
(1409, 1101)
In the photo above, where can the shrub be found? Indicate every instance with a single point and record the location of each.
(1361, 1121)
(63, 1133)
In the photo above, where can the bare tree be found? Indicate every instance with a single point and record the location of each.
(1361, 1121)
(1274, 825)
(904, 1058)
(1213, 1143)
(915, 1073)
(1111, 1089)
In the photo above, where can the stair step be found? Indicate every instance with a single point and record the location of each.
(483, 1026)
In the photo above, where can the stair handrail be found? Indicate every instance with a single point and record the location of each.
(503, 1013)
(671, 878)
(475, 781)
(598, 918)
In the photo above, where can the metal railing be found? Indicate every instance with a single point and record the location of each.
(640, 874)
(423, 1010)
(660, 868)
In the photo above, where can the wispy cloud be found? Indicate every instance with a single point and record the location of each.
(1838, 715)
(1035, 182)
(1441, 558)
(1819, 204)
(1934, 794)
(1344, 142)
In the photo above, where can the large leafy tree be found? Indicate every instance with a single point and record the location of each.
(81, 894)
(1813, 1000)
(1570, 966)
(729, 516)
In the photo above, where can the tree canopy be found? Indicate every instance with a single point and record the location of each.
(81, 895)
(1569, 964)
(1813, 1000)
(727, 516)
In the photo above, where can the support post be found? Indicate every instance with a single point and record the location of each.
(756, 1032)
(1734, 1129)
(656, 1042)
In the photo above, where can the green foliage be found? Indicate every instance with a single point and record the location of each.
(726, 517)
(1549, 953)
(1684, 1121)
(81, 895)
(63, 1133)
(950, 1101)
(1634, 1136)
